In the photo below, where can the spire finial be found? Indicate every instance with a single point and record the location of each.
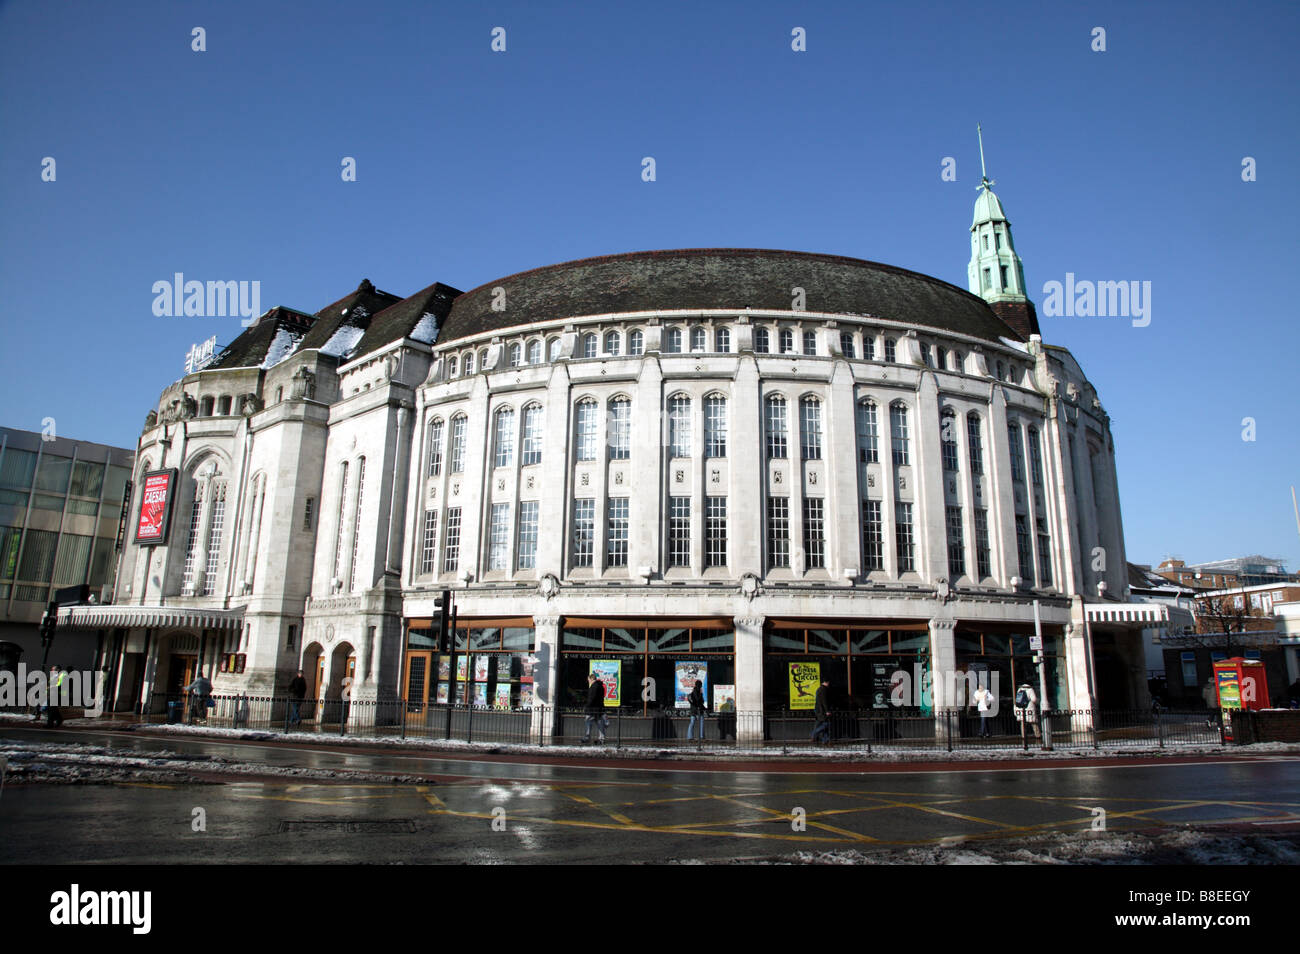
(985, 181)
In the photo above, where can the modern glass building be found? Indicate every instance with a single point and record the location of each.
(61, 506)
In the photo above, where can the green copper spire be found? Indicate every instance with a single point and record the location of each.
(995, 272)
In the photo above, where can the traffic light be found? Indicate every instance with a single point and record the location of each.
(47, 624)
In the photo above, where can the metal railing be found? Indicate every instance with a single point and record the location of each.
(868, 729)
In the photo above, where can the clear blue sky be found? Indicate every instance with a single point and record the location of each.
(1122, 165)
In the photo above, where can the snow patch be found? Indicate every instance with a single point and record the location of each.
(1018, 345)
(283, 344)
(426, 330)
(343, 341)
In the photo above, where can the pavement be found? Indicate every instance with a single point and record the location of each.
(283, 800)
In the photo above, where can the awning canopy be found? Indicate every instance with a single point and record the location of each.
(1131, 614)
(151, 617)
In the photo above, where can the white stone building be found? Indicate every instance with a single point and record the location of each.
(736, 459)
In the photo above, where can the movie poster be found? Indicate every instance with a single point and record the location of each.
(805, 678)
(881, 684)
(480, 668)
(442, 694)
(609, 671)
(724, 698)
(444, 668)
(157, 491)
(684, 682)
(462, 668)
(526, 695)
(480, 694)
(502, 700)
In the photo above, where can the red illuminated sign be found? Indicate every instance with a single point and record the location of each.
(156, 493)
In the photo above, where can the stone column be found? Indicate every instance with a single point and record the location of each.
(553, 511)
(929, 517)
(545, 674)
(943, 664)
(749, 679)
(1078, 658)
(843, 535)
(745, 510)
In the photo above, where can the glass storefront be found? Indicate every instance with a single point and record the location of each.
(671, 654)
(1005, 660)
(492, 660)
(861, 663)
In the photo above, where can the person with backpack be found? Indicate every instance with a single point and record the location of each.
(1027, 709)
(200, 692)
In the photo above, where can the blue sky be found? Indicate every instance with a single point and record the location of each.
(225, 164)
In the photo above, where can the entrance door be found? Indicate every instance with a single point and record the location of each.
(419, 681)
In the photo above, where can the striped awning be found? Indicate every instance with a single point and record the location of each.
(1138, 614)
(151, 617)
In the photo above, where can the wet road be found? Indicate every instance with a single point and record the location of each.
(510, 812)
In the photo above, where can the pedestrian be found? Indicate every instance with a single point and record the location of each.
(595, 708)
(985, 702)
(200, 691)
(1027, 709)
(696, 702)
(822, 711)
(727, 719)
(53, 714)
(297, 693)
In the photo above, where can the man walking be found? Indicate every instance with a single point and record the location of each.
(822, 711)
(696, 702)
(595, 707)
(984, 702)
(53, 714)
(297, 693)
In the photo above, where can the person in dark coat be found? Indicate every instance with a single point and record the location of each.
(297, 693)
(696, 702)
(822, 711)
(595, 707)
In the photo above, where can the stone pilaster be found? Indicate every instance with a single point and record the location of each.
(749, 679)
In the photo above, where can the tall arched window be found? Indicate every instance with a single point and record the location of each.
(585, 426)
(787, 341)
(553, 349)
(761, 344)
(948, 438)
(435, 447)
(458, 424)
(611, 343)
(356, 524)
(699, 339)
(1017, 451)
(469, 362)
(532, 449)
(974, 444)
(679, 426)
(810, 342)
(192, 541)
(846, 344)
(504, 437)
(636, 343)
(775, 426)
(891, 350)
(618, 428)
(722, 340)
(516, 355)
(868, 346)
(868, 436)
(338, 526)
(589, 345)
(898, 433)
(535, 351)
(715, 426)
(1035, 458)
(673, 341)
(810, 428)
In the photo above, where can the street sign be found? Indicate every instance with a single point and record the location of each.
(1035, 642)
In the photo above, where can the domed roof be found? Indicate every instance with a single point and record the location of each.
(686, 279)
(988, 208)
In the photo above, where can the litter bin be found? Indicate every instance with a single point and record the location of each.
(173, 712)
